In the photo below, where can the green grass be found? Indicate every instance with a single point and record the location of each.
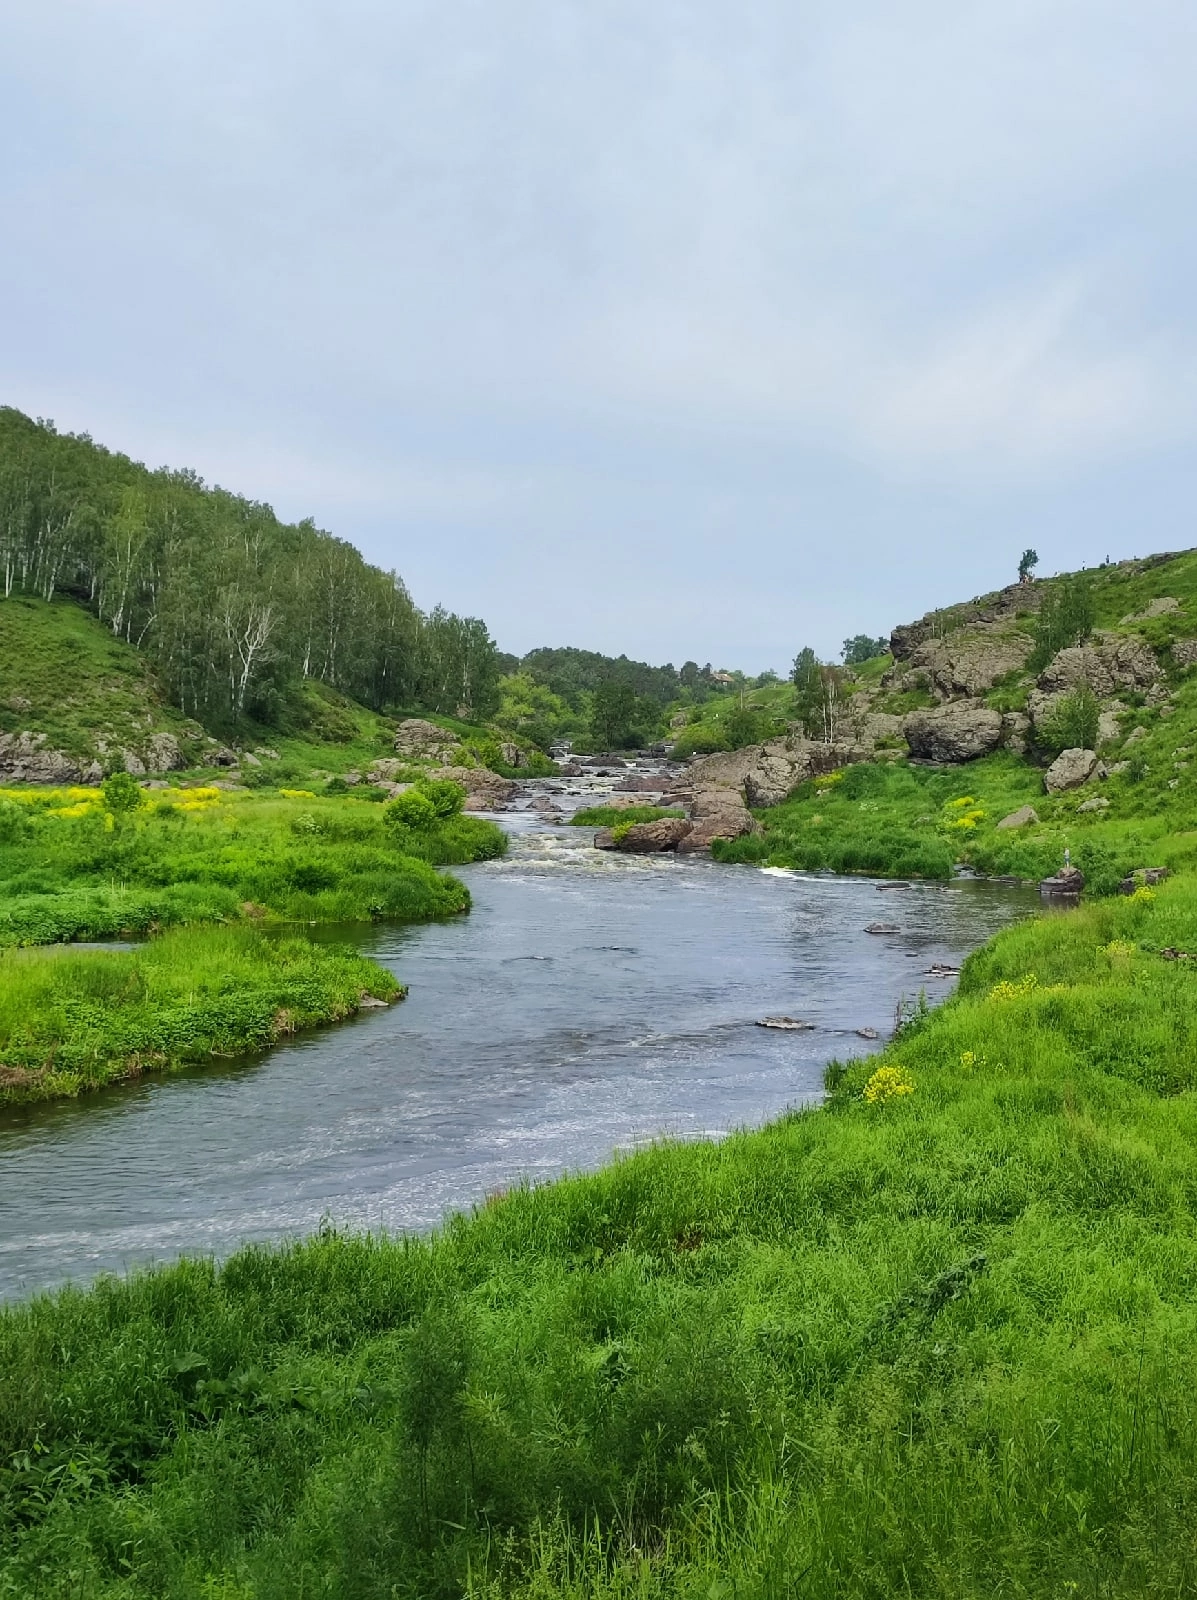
(69, 870)
(612, 816)
(901, 820)
(74, 1020)
(298, 859)
(66, 676)
(938, 1345)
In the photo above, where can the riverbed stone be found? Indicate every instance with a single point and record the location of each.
(645, 838)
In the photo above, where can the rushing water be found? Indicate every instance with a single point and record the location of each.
(589, 1003)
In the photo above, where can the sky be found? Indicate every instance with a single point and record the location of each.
(685, 330)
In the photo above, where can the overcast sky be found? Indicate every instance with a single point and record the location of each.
(682, 329)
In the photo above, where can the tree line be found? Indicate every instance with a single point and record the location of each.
(233, 606)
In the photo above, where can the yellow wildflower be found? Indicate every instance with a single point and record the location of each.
(1014, 991)
(888, 1083)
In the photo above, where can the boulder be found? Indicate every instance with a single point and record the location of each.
(162, 753)
(418, 740)
(1016, 728)
(765, 774)
(134, 765)
(1020, 818)
(1098, 803)
(716, 814)
(961, 731)
(972, 659)
(1109, 662)
(24, 758)
(485, 790)
(1069, 770)
(386, 771)
(511, 755)
(1144, 878)
(1184, 652)
(646, 838)
(1065, 885)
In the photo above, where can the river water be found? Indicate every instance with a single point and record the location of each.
(589, 1003)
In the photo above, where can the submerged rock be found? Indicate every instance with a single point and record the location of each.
(882, 927)
(788, 1024)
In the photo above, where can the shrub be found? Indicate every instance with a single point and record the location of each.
(121, 793)
(1073, 723)
(444, 796)
(411, 809)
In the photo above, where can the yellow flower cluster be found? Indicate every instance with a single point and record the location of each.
(963, 814)
(1014, 991)
(969, 1059)
(1143, 895)
(888, 1083)
(297, 794)
(51, 798)
(1119, 947)
(193, 799)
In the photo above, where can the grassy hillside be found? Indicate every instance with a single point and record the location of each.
(64, 674)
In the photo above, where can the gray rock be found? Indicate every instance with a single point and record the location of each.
(134, 765)
(1016, 728)
(1108, 663)
(162, 753)
(485, 790)
(418, 740)
(1020, 818)
(24, 758)
(787, 1024)
(1098, 803)
(1069, 770)
(958, 732)
(882, 927)
(972, 659)
(1144, 878)
(1065, 886)
(1135, 735)
(1184, 652)
(511, 755)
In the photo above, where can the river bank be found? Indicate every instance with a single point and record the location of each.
(936, 1337)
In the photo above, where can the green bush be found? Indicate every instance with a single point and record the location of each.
(410, 810)
(1073, 723)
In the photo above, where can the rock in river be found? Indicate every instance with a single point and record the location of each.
(645, 838)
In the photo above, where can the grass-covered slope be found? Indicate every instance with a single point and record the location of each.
(937, 1339)
(65, 675)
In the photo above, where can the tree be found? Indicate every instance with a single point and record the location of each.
(612, 714)
(743, 727)
(1065, 618)
(1029, 560)
(861, 648)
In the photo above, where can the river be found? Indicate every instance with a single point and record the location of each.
(590, 1002)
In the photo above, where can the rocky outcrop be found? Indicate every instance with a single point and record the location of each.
(1021, 818)
(960, 731)
(1004, 605)
(1184, 652)
(1063, 887)
(162, 753)
(25, 758)
(1162, 606)
(716, 813)
(484, 790)
(1108, 663)
(417, 740)
(972, 659)
(646, 838)
(765, 774)
(1069, 770)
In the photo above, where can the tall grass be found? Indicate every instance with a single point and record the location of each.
(73, 1020)
(940, 1343)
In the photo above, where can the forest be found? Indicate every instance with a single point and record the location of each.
(232, 606)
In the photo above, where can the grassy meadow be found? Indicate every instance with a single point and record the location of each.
(935, 1339)
(214, 878)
